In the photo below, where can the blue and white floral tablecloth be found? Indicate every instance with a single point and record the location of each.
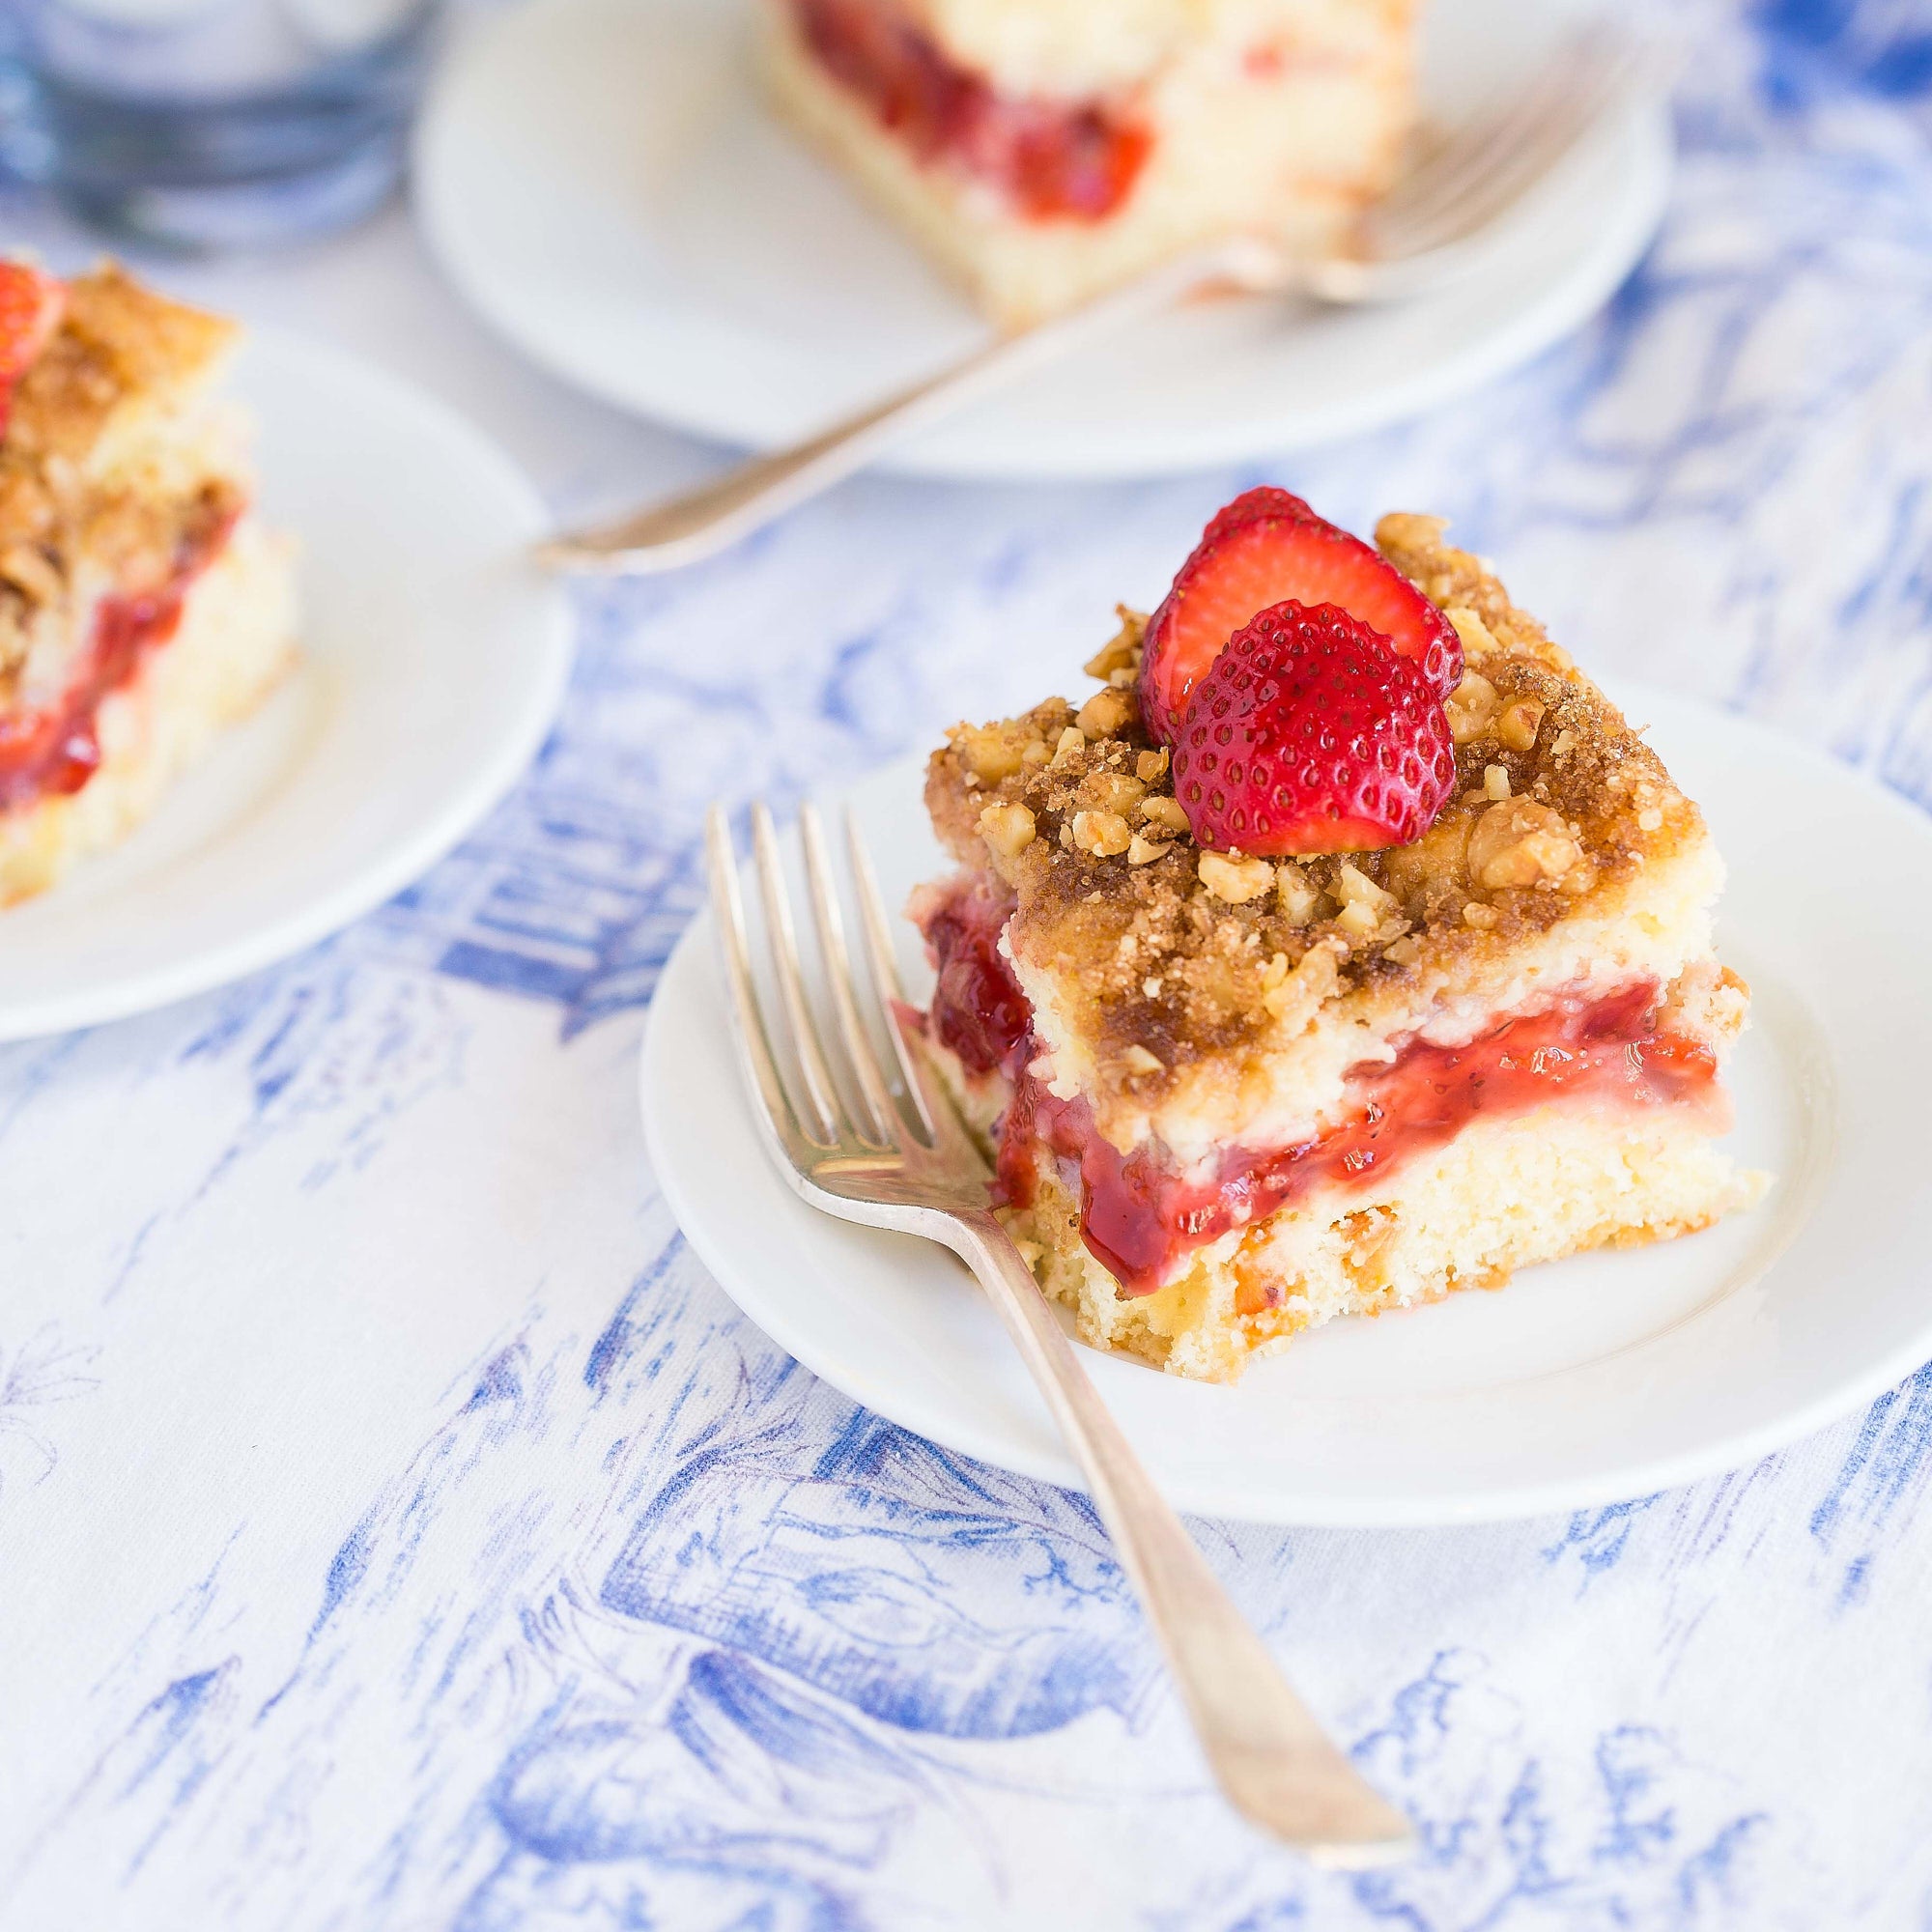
(398, 1529)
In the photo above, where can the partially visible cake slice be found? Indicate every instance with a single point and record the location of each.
(1042, 150)
(1233, 1097)
(142, 606)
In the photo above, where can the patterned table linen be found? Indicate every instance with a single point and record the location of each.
(398, 1529)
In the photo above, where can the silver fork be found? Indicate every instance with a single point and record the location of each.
(892, 1153)
(1425, 232)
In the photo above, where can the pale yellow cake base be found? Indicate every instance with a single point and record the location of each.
(234, 642)
(1297, 157)
(1498, 1196)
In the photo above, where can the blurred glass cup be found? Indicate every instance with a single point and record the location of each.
(197, 125)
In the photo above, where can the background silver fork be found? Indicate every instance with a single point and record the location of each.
(892, 1153)
(1423, 234)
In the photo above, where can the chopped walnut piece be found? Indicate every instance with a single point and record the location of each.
(27, 568)
(1358, 921)
(1519, 842)
(1354, 887)
(1299, 895)
(1475, 913)
(1144, 851)
(1167, 811)
(1471, 707)
(1104, 834)
(1123, 651)
(990, 752)
(1496, 782)
(1138, 1059)
(1152, 765)
(1105, 713)
(1478, 640)
(1008, 829)
(1236, 880)
(1519, 723)
(1110, 790)
(1072, 742)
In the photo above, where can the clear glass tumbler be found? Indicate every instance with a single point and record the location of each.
(196, 125)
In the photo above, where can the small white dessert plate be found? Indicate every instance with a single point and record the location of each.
(434, 657)
(1586, 1382)
(600, 179)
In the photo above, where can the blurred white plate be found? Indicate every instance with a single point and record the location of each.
(1594, 1379)
(600, 180)
(433, 659)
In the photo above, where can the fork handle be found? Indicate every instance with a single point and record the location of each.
(1265, 1749)
(697, 524)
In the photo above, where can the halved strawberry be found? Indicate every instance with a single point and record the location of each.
(1266, 547)
(31, 305)
(1310, 734)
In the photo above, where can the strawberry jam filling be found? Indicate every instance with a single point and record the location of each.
(52, 749)
(1051, 159)
(1141, 1218)
(977, 1008)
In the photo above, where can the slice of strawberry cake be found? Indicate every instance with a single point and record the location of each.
(1345, 947)
(1042, 150)
(142, 606)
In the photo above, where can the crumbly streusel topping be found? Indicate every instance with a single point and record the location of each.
(119, 347)
(1164, 954)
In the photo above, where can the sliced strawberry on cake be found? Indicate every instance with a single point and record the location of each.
(1310, 733)
(1266, 548)
(1330, 996)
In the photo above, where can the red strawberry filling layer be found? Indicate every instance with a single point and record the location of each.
(53, 749)
(1141, 1218)
(1051, 159)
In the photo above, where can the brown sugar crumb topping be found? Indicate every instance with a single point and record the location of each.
(118, 344)
(1157, 945)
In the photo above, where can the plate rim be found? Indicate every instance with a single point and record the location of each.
(1581, 291)
(434, 835)
(1496, 1503)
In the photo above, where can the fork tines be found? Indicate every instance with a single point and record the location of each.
(1478, 172)
(818, 1100)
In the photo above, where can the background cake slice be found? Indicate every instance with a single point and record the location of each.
(142, 606)
(1234, 1096)
(1042, 150)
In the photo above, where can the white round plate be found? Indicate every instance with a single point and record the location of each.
(434, 657)
(1587, 1381)
(599, 178)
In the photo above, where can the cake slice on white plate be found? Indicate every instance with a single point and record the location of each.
(1345, 948)
(1043, 149)
(143, 607)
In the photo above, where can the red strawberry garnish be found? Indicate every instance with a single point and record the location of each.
(30, 311)
(1310, 734)
(1266, 546)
